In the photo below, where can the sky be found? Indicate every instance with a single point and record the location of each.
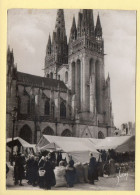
(28, 32)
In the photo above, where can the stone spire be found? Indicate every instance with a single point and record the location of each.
(60, 25)
(57, 50)
(10, 57)
(98, 28)
(48, 50)
(87, 22)
(79, 24)
(91, 19)
(73, 33)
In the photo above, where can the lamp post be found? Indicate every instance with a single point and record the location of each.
(14, 117)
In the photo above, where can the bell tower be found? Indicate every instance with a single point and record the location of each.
(86, 63)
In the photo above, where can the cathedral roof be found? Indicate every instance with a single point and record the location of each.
(38, 81)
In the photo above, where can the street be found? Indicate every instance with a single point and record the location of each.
(104, 184)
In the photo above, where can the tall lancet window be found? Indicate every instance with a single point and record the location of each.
(66, 77)
(47, 107)
(62, 110)
(33, 105)
(53, 109)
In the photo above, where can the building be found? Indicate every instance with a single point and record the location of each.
(128, 128)
(73, 97)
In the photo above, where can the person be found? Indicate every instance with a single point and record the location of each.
(35, 171)
(112, 168)
(49, 177)
(60, 172)
(30, 170)
(41, 162)
(106, 169)
(103, 156)
(70, 173)
(7, 169)
(100, 166)
(28, 162)
(91, 169)
(19, 169)
(71, 161)
(40, 167)
(59, 158)
(97, 167)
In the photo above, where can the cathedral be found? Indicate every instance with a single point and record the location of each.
(73, 97)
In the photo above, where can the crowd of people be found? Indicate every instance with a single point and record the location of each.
(46, 171)
(117, 156)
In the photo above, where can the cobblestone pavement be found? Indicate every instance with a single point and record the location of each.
(104, 184)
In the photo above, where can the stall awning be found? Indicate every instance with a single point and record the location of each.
(17, 141)
(79, 148)
(120, 144)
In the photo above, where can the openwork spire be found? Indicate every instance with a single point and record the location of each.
(86, 22)
(98, 28)
(73, 33)
(48, 50)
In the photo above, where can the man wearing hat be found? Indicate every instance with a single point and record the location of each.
(19, 169)
(91, 168)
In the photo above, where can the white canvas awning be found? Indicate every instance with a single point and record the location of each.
(18, 141)
(79, 148)
(119, 144)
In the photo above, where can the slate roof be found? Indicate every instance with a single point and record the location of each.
(38, 81)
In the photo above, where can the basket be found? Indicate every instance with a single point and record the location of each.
(41, 173)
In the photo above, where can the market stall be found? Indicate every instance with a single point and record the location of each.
(119, 144)
(78, 148)
(20, 145)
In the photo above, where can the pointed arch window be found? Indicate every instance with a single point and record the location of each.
(32, 105)
(24, 103)
(48, 131)
(53, 109)
(66, 133)
(19, 105)
(47, 107)
(26, 133)
(100, 135)
(28, 106)
(62, 110)
(66, 77)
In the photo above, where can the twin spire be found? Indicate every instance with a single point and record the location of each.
(58, 47)
(98, 29)
(85, 26)
(59, 34)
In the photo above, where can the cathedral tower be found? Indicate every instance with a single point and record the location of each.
(86, 60)
(83, 61)
(57, 50)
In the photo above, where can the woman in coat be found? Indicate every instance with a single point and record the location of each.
(91, 169)
(35, 171)
(70, 173)
(41, 167)
(49, 177)
(19, 169)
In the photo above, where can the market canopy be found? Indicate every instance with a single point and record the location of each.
(50, 146)
(18, 141)
(119, 144)
(79, 148)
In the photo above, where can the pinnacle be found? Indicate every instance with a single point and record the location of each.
(98, 23)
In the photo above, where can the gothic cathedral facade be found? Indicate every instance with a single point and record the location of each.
(73, 97)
